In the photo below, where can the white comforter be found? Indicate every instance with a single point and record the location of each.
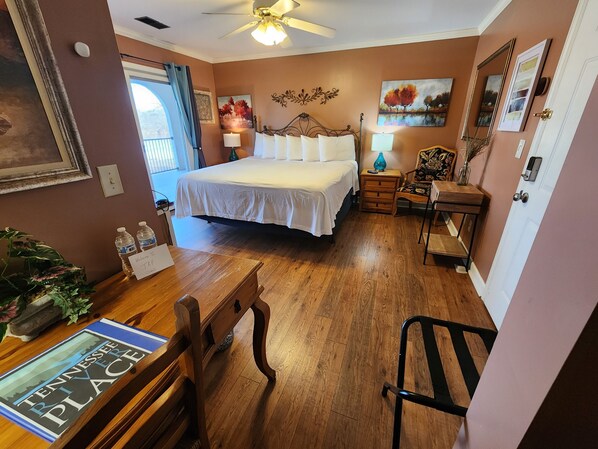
(299, 195)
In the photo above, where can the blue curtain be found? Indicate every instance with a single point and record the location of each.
(182, 86)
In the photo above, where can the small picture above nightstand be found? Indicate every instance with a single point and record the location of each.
(378, 191)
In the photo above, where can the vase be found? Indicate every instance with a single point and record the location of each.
(380, 163)
(38, 315)
(463, 175)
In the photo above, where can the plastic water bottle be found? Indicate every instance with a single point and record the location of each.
(125, 245)
(146, 237)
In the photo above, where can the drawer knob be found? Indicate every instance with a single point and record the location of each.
(237, 306)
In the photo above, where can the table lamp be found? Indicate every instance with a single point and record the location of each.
(232, 141)
(381, 143)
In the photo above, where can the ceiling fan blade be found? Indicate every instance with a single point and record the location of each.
(282, 7)
(241, 29)
(309, 27)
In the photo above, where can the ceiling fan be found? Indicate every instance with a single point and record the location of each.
(271, 18)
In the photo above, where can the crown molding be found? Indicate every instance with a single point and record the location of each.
(492, 15)
(354, 46)
(456, 34)
(122, 31)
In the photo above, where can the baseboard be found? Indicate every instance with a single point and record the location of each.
(476, 278)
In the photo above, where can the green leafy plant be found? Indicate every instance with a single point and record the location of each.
(32, 269)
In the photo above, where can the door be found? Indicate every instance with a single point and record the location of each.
(574, 78)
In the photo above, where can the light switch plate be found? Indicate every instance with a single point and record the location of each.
(520, 148)
(110, 180)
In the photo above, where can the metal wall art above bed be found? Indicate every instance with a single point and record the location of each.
(306, 125)
(303, 97)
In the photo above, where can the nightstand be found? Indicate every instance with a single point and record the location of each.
(378, 191)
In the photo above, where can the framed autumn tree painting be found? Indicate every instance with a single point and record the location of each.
(39, 140)
(414, 102)
(235, 111)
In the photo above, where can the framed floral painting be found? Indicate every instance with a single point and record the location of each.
(235, 111)
(39, 140)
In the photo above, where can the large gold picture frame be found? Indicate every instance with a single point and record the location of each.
(39, 141)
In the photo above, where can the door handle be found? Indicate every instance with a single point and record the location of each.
(546, 114)
(521, 195)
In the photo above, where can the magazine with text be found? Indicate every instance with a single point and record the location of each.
(46, 394)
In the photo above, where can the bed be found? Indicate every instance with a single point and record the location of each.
(304, 196)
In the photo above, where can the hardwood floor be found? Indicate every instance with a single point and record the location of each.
(334, 337)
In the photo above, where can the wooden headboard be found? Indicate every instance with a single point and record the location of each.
(305, 125)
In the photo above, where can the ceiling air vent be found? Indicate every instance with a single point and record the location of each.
(152, 22)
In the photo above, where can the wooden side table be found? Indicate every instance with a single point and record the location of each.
(378, 191)
(447, 196)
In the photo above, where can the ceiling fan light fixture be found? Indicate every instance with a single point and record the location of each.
(269, 33)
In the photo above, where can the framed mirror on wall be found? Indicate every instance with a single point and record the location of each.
(485, 97)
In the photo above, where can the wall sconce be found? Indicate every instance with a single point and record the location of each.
(383, 144)
(232, 141)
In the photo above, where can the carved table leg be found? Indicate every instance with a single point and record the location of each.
(261, 312)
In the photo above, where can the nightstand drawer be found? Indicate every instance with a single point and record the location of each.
(377, 206)
(372, 195)
(379, 184)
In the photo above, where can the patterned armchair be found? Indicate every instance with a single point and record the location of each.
(433, 164)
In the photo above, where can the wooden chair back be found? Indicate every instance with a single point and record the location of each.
(435, 163)
(158, 402)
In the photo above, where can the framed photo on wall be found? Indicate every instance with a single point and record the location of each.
(39, 141)
(205, 110)
(235, 111)
(521, 90)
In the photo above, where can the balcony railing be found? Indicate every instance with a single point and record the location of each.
(160, 154)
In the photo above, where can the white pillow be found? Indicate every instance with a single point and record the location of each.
(269, 147)
(294, 149)
(258, 147)
(280, 145)
(310, 149)
(333, 148)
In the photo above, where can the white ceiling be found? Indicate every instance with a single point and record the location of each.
(358, 24)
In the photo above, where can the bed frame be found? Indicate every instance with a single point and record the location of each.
(303, 125)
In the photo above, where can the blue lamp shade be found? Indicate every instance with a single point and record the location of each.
(381, 143)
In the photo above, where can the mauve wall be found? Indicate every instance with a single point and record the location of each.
(203, 79)
(530, 22)
(358, 74)
(75, 218)
(550, 308)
